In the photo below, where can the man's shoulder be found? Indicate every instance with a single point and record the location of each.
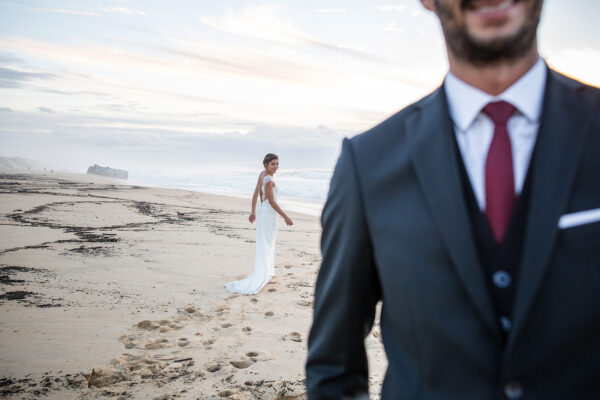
(393, 126)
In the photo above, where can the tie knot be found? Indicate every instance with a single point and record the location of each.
(499, 111)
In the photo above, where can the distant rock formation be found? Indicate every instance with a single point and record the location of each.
(107, 171)
(19, 164)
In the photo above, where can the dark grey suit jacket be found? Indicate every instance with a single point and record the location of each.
(396, 229)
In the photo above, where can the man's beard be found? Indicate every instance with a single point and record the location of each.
(488, 52)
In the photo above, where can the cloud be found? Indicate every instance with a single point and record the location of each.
(193, 59)
(238, 84)
(238, 61)
(45, 110)
(416, 11)
(9, 59)
(393, 28)
(263, 23)
(257, 22)
(77, 93)
(391, 8)
(103, 61)
(64, 11)
(78, 145)
(113, 57)
(121, 10)
(12, 78)
(5, 109)
(332, 10)
(353, 48)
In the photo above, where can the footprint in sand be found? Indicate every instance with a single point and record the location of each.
(134, 341)
(247, 330)
(258, 356)
(241, 364)
(156, 344)
(272, 290)
(164, 329)
(226, 325)
(144, 366)
(269, 313)
(104, 377)
(293, 336)
(213, 367)
(304, 303)
(148, 325)
(129, 341)
(162, 325)
(221, 310)
(182, 342)
(254, 300)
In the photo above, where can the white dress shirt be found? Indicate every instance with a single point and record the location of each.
(474, 130)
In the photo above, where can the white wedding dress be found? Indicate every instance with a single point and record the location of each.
(264, 261)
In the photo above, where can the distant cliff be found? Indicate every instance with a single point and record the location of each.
(107, 171)
(19, 164)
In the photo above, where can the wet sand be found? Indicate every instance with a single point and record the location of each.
(115, 291)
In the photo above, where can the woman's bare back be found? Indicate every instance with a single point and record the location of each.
(259, 185)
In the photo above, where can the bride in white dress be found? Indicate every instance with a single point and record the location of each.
(266, 230)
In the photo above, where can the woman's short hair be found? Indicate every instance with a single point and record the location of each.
(268, 158)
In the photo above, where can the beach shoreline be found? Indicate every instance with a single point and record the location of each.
(127, 282)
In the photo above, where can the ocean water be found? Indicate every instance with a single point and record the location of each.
(302, 191)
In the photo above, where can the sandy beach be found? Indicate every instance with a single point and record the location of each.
(116, 291)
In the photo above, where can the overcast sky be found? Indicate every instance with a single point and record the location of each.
(182, 84)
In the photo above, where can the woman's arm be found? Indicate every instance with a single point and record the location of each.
(271, 198)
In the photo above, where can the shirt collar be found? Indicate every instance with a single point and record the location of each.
(465, 102)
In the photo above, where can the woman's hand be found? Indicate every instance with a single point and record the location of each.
(288, 221)
(252, 217)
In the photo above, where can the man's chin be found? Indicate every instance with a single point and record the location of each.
(498, 48)
(494, 39)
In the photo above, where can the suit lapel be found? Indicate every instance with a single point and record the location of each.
(563, 128)
(432, 150)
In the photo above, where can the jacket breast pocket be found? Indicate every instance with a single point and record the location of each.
(580, 234)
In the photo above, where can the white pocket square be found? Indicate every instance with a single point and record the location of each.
(579, 218)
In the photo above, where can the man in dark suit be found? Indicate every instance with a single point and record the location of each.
(474, 216)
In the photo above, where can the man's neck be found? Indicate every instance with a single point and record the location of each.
(493, 79)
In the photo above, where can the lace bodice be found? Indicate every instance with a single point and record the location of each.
(268, 178)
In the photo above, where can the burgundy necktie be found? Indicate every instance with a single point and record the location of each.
(499, 182)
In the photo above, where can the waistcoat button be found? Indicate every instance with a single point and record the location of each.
(513, 390)
(501, 279)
